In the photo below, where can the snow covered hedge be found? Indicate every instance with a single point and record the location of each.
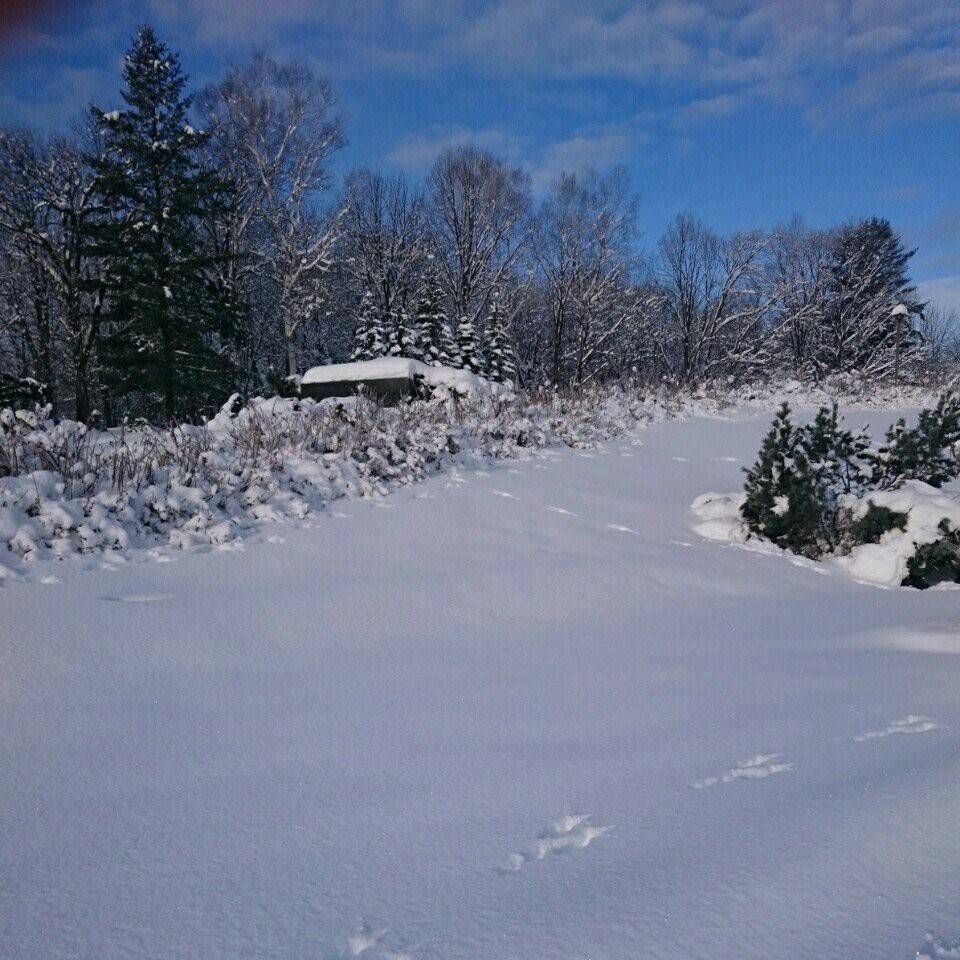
(66, 488)
(821, 491)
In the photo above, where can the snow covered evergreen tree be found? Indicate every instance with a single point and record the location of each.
(926, 452)
(501, 366)
(870, 304)
(838, 457)
(783, 498)
(370, 340)
(468, 346)
(169, 328)
(437, 346)
(402, 336)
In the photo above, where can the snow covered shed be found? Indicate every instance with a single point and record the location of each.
(389, 379)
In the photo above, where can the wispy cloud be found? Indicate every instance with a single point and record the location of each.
(416, 152)
(601, 146)
(885, 60)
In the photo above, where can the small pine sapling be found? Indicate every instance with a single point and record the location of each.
(926, 452)
(784, 501)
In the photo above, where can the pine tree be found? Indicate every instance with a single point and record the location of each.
(370, 339)
(784, 501)
(870, 302)
(501, 366)
(926, 452)
(838, 458)
(169, 329)
(437, 346)
(403, 338)
(468, 346)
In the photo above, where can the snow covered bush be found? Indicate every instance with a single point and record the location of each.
(819, 490)
(68, 488)
(795, 491)
(784, 503)
(926, 452)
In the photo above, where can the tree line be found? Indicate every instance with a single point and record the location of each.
(189, 245)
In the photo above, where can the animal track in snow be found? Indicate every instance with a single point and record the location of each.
(756, 768)
(911, 724)
(368, 943)
(569, 833)
(619, 528)
(566, 513)
(503, 493)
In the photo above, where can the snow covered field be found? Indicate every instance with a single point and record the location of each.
(519, 713)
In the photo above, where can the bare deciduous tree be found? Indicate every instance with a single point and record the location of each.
(478, 207)
(383, 240)
(713, 300)
(583, 243)
(46, 201)
(274, 125)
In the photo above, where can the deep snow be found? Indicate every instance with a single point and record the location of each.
(467, 721)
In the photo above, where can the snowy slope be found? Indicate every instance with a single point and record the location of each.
(525, 713)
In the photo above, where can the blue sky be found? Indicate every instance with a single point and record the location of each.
(742, 112)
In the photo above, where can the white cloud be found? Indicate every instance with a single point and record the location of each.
(709, 108)
(885, 60)
(602, 148)
(416, 152)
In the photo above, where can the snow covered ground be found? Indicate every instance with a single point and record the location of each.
(519, 713)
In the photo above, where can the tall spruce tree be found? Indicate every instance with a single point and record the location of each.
(870, 302)
(437, 346)
(468, 346)
(403, 338)
(370, 339)
(169, 330)
(501, 365)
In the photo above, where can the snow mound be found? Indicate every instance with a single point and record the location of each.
(720, 518)
(885, 563)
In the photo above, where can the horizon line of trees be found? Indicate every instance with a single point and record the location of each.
(186, 246)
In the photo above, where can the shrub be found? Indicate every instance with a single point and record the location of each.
(937, 562)
(926, 452)
(784, 501)
(810, 490)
